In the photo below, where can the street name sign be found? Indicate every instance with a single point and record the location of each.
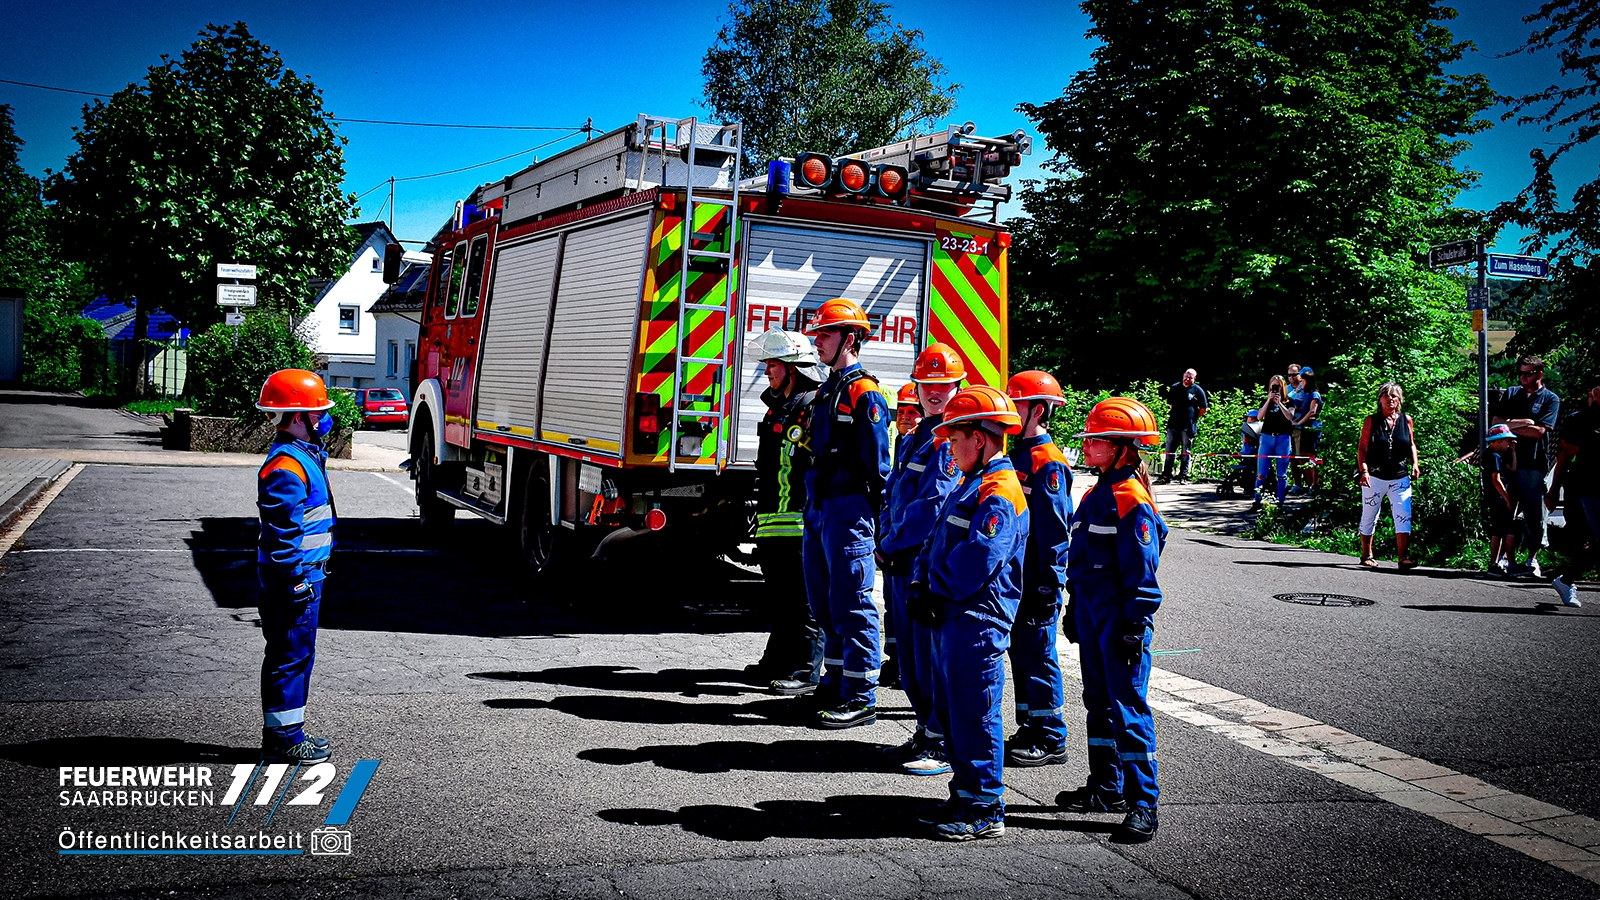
(236, 295)
(1477, 297)
(236, 270)
(233, 317)
(1504, 265)
(1455, 253)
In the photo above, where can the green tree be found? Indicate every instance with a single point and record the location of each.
(1244, 184)
(1555, 324)
(22, 214)
(220, 155)
(832, 76)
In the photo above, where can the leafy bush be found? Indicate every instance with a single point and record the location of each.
(346, 414)
(225, 378)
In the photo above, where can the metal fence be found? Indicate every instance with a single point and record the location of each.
(166, 365)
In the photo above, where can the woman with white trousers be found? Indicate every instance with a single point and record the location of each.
(1387, 457)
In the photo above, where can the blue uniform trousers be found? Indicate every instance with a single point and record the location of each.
(291, 632)
(915, 649)
(1122, 732)
(1041, 698)
(969, 682)
(839, 572)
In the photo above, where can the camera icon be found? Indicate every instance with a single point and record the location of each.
(330, 842)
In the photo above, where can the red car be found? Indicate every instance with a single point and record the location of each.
(383, 406)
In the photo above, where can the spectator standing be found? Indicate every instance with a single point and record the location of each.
(1531, 410)
(1499, 475)
(1277, 423)
(1387, 457)
(1293, 383)
(1578, 471)
(1307, 429)
(1188, 402)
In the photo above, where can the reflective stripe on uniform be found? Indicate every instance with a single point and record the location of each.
(1102, 529)
(780, 524)
(316, 541)
(285, 717)
(863, 674)
(1102, 742)
(1127, 757)
(833, 662)
(958, 522)
(318, 513)
(917, 467)
(1047, 712)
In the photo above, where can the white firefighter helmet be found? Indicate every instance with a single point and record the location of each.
(791, 347)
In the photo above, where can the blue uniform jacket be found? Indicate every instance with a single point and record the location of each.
(849, 439)
(1047, 483)
(296, 510)
(924, 473)
(1117, 537)
(974, 556)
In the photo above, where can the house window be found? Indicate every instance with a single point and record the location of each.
(394, 359)
(349, 320)
(377, 262)
(411, 354)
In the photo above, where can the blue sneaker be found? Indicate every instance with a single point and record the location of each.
(972, 825)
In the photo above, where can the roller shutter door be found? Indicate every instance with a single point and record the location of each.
(591, 341)
(514, 337)
(789, 272)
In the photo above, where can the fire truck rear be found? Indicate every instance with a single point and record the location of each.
(582, 374)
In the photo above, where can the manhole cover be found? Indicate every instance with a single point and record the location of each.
(1323, 599)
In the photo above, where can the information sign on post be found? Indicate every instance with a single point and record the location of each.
(240, 271)
(1455, 253)
(233, 317)
(1504, 265)
(236, 295)
(1477, 297)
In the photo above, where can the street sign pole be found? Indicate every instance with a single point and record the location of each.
(1483, 347)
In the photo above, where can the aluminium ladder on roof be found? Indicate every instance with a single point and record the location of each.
(693, 140)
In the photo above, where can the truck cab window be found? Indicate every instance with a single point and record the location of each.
(469, 300)
(457, 269)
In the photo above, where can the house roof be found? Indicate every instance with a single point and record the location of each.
(116, 317)
(407, 294)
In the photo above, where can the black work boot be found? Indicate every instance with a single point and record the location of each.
(1089, 800)
(1036, 753)
(1139, 826)
(848, 716)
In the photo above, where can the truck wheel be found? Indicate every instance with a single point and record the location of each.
(436, 514)
(537, 534)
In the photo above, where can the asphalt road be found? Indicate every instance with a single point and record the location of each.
(593, 736)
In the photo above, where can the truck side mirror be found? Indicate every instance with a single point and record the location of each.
(392, 255)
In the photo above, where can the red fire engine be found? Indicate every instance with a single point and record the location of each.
(581, 368)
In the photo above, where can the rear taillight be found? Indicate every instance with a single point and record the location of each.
(647, 413)
(655, 519)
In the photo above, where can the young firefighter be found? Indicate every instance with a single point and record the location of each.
(844, 494)
(296, 513)
(1117, 537)
(966, 584)
(1046, 478)
(1499, 480)
(923, 474)
(907, 415)
(794, 649)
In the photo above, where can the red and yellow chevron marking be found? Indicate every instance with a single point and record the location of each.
(969, 300)
(709, 332)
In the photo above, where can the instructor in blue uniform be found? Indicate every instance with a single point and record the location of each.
(924, 473)
(1041, 737)
(1117, 537)
(844, 495)
(966, 584)
(297, 519)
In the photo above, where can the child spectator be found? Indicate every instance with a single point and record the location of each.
(1499, 474)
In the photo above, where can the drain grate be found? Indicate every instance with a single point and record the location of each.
(1323, 599)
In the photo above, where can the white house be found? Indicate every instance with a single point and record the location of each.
(397, 314)
(342, 327)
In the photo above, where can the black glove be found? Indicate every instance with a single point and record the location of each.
(925, 607)
(1130, 646)
(1040, 608)
(1069, 623)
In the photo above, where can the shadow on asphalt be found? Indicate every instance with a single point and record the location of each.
(813, 756)
(684, 682)
(651, 711)
(105, 750)
(1542, 609)
(385, 577)
(849, 817)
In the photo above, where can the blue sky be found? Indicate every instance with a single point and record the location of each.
(559, 64)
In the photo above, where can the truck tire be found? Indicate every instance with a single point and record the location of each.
(536, 535)
(437, 515)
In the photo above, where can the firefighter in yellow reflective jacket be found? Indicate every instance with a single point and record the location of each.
(792, 661)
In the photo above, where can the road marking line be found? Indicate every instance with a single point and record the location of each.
(14, 533)
(1540, 830)
(404, 487)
